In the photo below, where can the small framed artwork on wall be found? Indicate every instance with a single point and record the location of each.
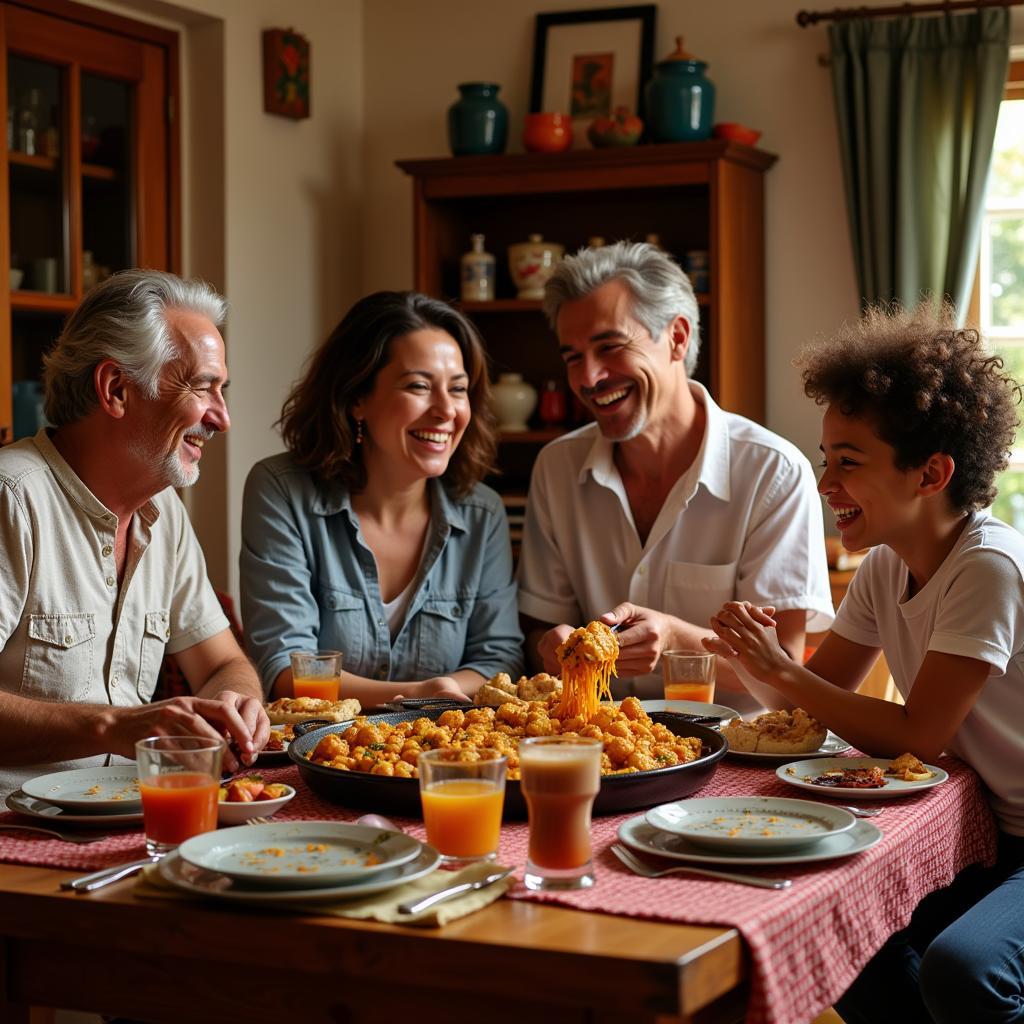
(588, 63)
(285, 73)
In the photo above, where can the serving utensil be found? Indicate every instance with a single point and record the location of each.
(68, 837)
(639, 867)
(415, 906)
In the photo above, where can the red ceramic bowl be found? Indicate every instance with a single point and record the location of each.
(547, 133)
(736, 133)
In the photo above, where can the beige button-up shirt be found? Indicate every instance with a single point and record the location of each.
(68, 632)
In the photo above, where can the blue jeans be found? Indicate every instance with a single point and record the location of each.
(960, 959)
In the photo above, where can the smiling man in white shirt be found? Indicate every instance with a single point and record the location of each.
(102, 572)
(650, 515)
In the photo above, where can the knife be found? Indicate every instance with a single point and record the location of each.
(415, 906)
(98, 879)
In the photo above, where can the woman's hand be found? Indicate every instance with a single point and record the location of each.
(746, 634)
(442, 686)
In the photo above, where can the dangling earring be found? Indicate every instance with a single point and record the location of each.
(359, 431)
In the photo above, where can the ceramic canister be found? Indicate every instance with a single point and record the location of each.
(680, 99)
(478, 121)
(531, 263)
(513, 401)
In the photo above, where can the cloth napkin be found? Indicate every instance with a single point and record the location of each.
(382, 906)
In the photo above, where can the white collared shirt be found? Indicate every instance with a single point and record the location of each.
(68, 632)
(743, 523)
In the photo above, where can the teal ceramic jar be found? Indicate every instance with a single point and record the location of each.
(680, 100)
(478, 121)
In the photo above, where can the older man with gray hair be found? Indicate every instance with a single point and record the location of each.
(667, 505)
(102, 572)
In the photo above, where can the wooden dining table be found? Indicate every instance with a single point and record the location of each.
(115, 953)
(628, 950)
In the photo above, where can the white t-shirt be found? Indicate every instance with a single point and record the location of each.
(743, 523)
(973, 607)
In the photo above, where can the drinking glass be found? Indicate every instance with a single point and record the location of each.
(462, 802)
(560, 776)
(316, 674)
(178, 779)
(689, 675)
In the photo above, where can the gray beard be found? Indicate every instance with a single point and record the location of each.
(170, 467)
(633, 429)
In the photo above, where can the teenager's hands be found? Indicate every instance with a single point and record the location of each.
(745, 633)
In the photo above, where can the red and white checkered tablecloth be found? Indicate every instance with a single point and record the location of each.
(806, 943)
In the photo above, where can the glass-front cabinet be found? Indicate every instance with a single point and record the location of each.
(86, 176)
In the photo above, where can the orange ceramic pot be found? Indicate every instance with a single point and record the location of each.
(547, 133)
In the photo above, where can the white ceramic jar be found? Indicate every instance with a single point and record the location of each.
(532, 263)
(513, 400)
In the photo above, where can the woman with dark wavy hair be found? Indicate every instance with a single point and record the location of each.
(373, 535)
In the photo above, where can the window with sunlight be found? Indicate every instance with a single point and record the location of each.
(1001, 276)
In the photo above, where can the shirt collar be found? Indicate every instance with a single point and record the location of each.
(712, 458)
(335, 497)
(76, 489)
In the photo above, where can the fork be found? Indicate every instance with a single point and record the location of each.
(68, 837)
(258, 820)
(862, 812)
(639, 867)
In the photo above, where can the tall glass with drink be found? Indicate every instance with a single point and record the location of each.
(689, 675)
(462, 803)
(316, 674)
(178, 779)
(560, 776)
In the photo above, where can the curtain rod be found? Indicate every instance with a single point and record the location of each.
(805, 18)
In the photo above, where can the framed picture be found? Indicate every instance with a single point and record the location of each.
(285, 73)
(587, 63)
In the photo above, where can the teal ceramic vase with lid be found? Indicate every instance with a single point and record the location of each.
(478, 121)
(680, 100)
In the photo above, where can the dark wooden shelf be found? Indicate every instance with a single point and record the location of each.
(100, 172)
(503, 306)
(40, 163)
(541, 436)
(42, 302)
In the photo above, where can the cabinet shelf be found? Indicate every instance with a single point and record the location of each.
(33, 160)
(42, 302)
(100, 172)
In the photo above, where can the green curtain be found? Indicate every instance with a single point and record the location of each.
(917, 100)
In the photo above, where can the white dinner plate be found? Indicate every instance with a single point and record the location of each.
(197, 880)
(797, 773)
(690, 707)
(43, 811)
(112, 790)
(644, 838)
(833, 745)
(750, 824)
(300, 854)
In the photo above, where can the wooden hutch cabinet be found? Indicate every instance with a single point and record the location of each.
(88, 171)
(693, 196)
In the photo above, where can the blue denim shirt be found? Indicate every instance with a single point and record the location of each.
(309, 581)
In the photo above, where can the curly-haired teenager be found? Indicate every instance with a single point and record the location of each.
(373, 535)
(918, 421)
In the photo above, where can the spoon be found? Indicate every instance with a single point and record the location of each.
(378, 821)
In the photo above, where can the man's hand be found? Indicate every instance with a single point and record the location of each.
(236, 717)
(442, 686)
(549, 643)
(644, 635)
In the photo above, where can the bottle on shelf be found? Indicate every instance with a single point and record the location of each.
(552, 404)
(477, 273)
(28, 124)
(90, 271)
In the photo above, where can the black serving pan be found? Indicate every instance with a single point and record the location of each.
(385, 794)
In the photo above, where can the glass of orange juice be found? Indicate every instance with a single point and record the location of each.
(689, 675)
(559, 778)
(462, 802)
(316, 674)
(178, 780)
